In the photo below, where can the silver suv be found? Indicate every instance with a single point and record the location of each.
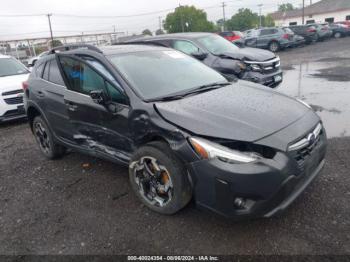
(272, 38)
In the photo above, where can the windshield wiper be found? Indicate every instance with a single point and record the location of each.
(199, 89)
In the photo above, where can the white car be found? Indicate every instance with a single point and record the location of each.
(12, 74)
(32, 61)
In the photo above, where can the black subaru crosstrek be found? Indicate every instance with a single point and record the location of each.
(246, 63)
(183, 130)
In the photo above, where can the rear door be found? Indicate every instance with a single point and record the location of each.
(264, 38)
(52, 92)
(100, 127)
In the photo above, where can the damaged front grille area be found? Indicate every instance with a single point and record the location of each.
(265, 67)
(303, 148)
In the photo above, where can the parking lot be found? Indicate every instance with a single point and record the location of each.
(82, 205)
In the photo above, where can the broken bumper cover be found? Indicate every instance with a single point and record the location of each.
(272, 79)
(260, 189)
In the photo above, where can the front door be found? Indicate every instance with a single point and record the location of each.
(99, 126)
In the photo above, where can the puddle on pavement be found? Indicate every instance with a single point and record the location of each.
(325, 85)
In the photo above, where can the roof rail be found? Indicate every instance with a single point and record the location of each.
(74, 46)
(140, 42)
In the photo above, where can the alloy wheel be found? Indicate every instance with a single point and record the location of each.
(153, 180)
(274, 47)
(42, 137)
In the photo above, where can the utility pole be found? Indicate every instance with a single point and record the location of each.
(260, 23)
(160, 22)
(223, 16)
(182, 19)
(303, 12)
(48, 17)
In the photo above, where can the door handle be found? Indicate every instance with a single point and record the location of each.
(71, 106)
(40, 94)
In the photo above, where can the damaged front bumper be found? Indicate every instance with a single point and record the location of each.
(271, 80)
(261, 189)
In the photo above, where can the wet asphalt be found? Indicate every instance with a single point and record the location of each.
(82, 205)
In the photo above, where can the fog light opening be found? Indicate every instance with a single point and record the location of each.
(239, 203)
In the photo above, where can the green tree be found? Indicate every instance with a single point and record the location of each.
(188, 19)
(159, 32)
(147, 32)
(243, 20)
(267, 21)
(54, 43)
(286, 7)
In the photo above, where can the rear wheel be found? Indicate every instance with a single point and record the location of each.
(159, 178)
(44, 138)
(274, 46)
(337, 35)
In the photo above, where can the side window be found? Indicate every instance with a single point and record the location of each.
(81, 77)
(115, 94)
(46, 71)
(264, 32)
(185, 47)
(101, 68)
(39, 70)
(55, 74)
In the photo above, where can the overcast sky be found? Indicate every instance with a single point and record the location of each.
(37, 26)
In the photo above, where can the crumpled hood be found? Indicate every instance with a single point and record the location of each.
(242, 111)
(10, 83)
(251, 54)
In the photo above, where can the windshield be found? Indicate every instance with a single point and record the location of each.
(217, 45)
(10, 66)
(156, 74)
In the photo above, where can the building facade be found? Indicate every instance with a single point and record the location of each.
(323, 11)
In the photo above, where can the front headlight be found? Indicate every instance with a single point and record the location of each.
(210, 150)
(255, 67)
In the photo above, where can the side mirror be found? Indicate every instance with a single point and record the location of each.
(199, 55)
(98, 96)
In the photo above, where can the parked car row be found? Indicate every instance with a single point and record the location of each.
(278, 38)
(251, 64)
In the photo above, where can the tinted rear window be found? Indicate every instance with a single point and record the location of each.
(55, 74)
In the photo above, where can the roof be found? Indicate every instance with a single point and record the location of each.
(129, 48)
(191, 35)
(321, 7)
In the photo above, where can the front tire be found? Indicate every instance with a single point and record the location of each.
(159, 179)
(48, 147)
(274, 46)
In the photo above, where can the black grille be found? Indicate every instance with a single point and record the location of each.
(269, 68)
(13, 92)
(14, 100)
(304, 153)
